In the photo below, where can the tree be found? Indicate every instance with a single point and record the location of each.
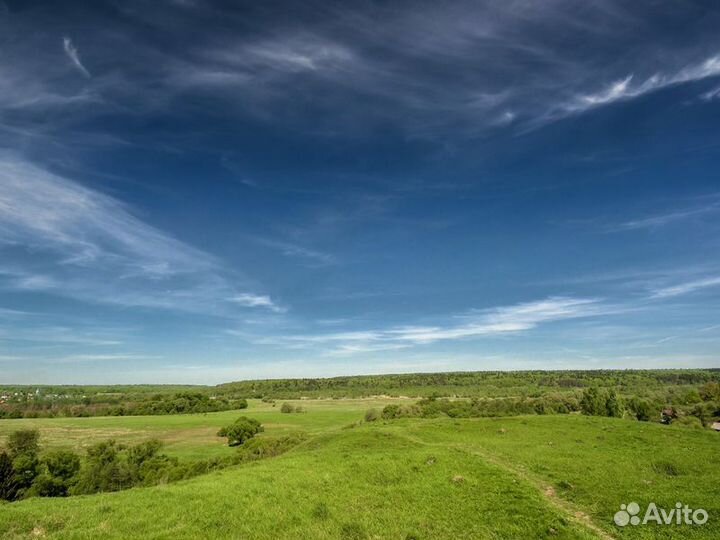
(592, 402)
(8, 486)
(641, 408)
(710, 391)
(241, 430)
(60, 474)
(145, 451)
(104, 470)
(23, 441)
(62, 464)
(23, 446)
(613, 405)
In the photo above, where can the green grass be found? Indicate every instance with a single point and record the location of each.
(524, 477)
(354, 484)
(595, 463)
(194, 435)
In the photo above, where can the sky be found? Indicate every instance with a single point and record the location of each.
(198, 192)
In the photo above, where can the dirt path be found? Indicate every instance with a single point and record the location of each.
(571, 512)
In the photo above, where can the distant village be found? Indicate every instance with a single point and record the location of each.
(37, 395)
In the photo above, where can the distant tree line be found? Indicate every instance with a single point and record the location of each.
(696, 407)
(471, 384)
(178, 403)
(42, 401)
(480, 407)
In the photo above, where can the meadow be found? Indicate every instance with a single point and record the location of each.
(520, 476)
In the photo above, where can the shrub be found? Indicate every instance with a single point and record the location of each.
(371, 415)
(266, 447)
(689, 422)
(287, 408)
(241, 430)
(23, 441)
(706, 412)
(60, 474)
(104, 470)
(390, 411)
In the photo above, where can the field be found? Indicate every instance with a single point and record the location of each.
(539, 476)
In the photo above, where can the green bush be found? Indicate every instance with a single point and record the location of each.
(60, 472)
(23, 441)
(265, 447)
(104, 470)
(241, 430)
(371, 415)
(689, 422)
(287, 408)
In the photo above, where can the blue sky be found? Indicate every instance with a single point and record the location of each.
(193, 191)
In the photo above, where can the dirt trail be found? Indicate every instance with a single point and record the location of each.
(572, 512)
(569, 509)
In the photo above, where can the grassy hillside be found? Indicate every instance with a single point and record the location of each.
(558, 476)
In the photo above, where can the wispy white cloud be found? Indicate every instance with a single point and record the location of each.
(73, 358)
(504, 320)
(686, 288)
(483, 323)
(13, 313)
(349, 349)
(660, 220)
(88, 245)
(256, 300)
(624, 89)
(43, 210)
(617, 90)
(475, 66)
(315, 257)
(59, 335)
(711, 95)
(297, 53)
(72, 53)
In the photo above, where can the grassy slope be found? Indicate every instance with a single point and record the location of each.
(595, 464)
(370, 483)
(524, 477)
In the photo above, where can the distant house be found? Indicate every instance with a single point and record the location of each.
(716, 426)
